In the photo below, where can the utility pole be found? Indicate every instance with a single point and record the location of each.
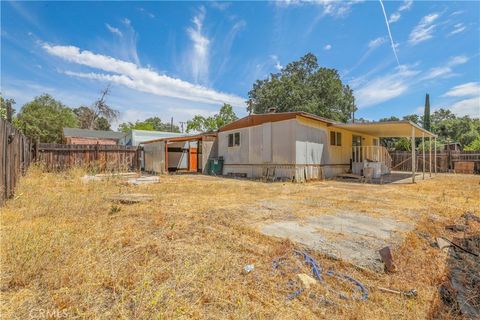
(182, 123)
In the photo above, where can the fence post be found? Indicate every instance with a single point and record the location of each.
(9, 111)
(37, 147)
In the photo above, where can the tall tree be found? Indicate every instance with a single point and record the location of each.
(44, 118)
(6, 106)
(96, 115)
(202, 124)
(149, 124)
(304, 86)
(426, 114)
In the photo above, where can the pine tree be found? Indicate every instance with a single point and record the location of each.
(426, 115)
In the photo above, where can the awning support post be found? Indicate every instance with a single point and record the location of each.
(430, 155)
(413, 154)
(423, 155)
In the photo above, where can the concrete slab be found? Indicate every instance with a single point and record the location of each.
(354, 237)
(144, 180)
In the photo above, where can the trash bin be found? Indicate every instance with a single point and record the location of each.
(215, 166)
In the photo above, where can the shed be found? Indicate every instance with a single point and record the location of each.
(180, 154)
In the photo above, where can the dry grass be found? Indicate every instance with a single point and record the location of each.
(65, 248)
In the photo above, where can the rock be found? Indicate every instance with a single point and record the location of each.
(442, 243)
(471, 216)
(456, 227)
(248, 268)
(387, 258)
(306, 280)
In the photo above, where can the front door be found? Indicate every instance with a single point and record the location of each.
(357, 148)
(193, 152)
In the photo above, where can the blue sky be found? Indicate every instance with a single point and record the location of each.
(178, 59)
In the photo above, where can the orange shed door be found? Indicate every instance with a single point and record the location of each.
(193, 159)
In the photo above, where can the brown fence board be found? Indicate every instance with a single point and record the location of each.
(16, 153)
(402, 160)
(99, 158)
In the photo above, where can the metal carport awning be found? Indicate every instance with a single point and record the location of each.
(397, 129)
(387, 129)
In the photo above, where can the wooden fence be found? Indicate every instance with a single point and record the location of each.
(96, 158)
(18, 152)
(16, 156)
(446, 161)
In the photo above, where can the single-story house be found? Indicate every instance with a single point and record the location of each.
(295, 145)
(85, 136)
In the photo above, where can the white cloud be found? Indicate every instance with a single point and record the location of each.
(394, 17)
(199, 55)
(114, 30)
(424, 29)
(458, 28)
(327, 47)
(470, 106)
(334, 8)
(149, 14)
(406, 5)
(138, 78)
(463, 90)
(445, 70)
(384, 88)
(276, 61)
(375, 43)
(469, 103)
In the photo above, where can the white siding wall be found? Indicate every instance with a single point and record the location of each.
(155, 157)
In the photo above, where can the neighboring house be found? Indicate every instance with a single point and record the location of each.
(290, 145)
(136, 137)
(453, 146)
(85, 136)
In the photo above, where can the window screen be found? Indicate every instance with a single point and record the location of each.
(332, 138)
(339, 139)
(237, 138)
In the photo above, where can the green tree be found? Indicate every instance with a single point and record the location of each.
(44, 118)
(304, 86)
(202, 124)
(149, 124)
(426, 115)
(4, 106)
(474, 145)
(415, 118)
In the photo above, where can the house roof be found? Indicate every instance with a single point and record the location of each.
(200, 136)
(98, 134)
(257, 119)
(380, 129)
(387, 129)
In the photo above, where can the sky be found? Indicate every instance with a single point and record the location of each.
(180, 59)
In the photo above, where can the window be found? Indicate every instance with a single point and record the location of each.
(335, 138)
(237, 138)
(375, 142)
(234, 139)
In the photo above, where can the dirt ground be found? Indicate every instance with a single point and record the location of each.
(68, 251)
